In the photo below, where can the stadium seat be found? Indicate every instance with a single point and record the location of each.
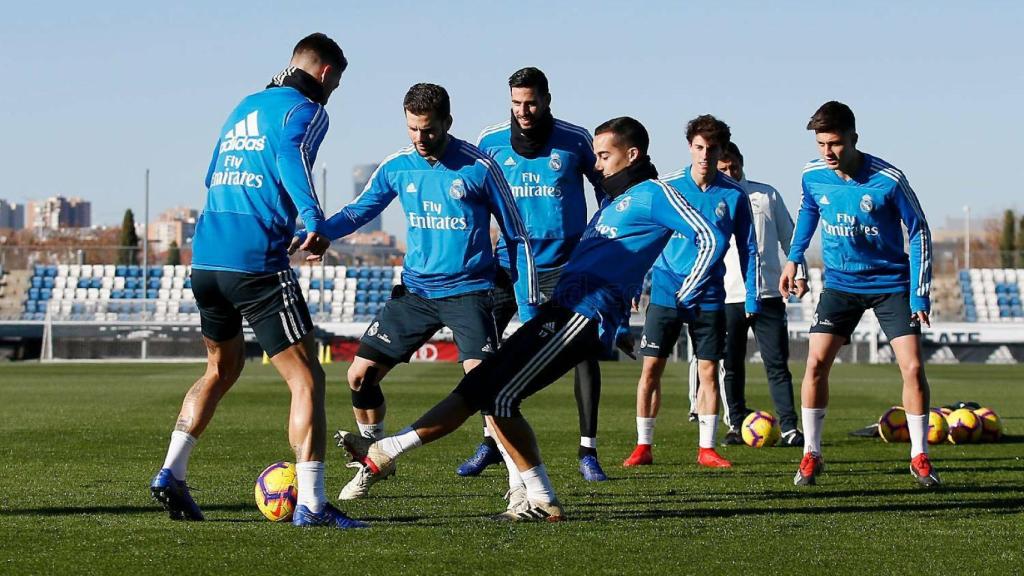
(109, 271)
(121, 270)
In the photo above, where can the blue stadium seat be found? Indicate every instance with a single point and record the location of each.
(362, 298)
(1016, 311)
(360, 310)
(314, 284)
(30, 306)
(153, 293)
(118, 294)
(96, 283)
(33, 293)
(375, 272)
(156, 272)
(329, 284)
(78, 308)
(154, 283)
(362, 285)
(387, 273)
(120, 270)
(364, 273)
(45, 294)
(47, 282)
(37, 281)
(51, 271)
(351, 273)
(39, 270)
(1004, 311)
(134, 271)
(188, 282)
(1002, 300)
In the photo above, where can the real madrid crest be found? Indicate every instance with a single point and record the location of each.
(721, 210)
(372, 331)
(623, 205)
(555, 163)
(458, 189)
(866, 205)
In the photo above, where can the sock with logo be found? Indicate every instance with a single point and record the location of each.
(645, 430)
(400, 443)
(514, 478)
(538, 485)
(588, 446)
(918, 426)
(375, 431)
(310, 479)
(707, 424)
(814, 422)
(178, 453)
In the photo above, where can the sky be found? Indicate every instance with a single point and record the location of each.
(97, 92)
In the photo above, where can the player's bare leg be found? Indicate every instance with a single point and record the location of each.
(916, 401)
(821, 354)
(707, 415)
(307, 421)
(648, 403)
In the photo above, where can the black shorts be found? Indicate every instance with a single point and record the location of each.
(663, 325)
(839, 313)
(272, 304)
(504, 296)
(408, 320)
(540, 352)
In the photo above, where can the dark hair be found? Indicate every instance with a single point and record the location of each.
(327, 50)
(711, 128)
(529, 77)
(733, 151)
(834, 117)
(428, 99)
(628, 131)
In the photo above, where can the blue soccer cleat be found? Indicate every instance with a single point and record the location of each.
(329, 516)
(485, 456)
(173, 495)
(591, 470)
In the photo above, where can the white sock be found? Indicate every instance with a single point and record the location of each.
(538, 485)
(405, 440)
(375, 431)
(178, 453)
(918, 425)
(707, 424)
(487, 431)
(515, 480)
(588, 442)
(310, 478)
(814, 421)
(645, 430)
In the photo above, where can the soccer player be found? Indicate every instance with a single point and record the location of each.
(448, 190)
(774, 228)
(722, 201)
(862, 202)
(544, 161)
(589, 309)
(259, 181)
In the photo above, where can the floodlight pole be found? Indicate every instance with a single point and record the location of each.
(323, 259)
(967, 237)
(145, 264)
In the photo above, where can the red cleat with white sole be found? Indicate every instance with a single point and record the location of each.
(709, 458)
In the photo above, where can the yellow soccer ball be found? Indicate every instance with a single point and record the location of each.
(964, 426)
(938, 428)
(892, 426)
(760, 429)
(991, 425)
(277, 492)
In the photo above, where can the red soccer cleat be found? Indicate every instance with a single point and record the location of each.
(708, 457)
(810, 466)
(641, 456)
(922, 470)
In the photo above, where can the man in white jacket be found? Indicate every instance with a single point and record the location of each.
(774, 228)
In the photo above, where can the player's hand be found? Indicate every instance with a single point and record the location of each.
(316, 245)
(922, 317)
(625, 342)
(296, 242)
(801, 287)
(787, 282)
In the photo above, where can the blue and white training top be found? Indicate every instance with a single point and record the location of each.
(619, 245)
(259, 181)
(727, 207)
(861, 233)
(548, 189)
(448, 208)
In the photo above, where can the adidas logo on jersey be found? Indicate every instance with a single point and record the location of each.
(510, 162)
(411, 188)
(824, 201)
(244, 136)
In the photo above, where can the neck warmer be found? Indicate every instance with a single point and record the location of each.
(629, 176)
(529, 143)
(302, 81)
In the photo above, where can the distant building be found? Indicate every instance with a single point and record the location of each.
(176, 224)
(12, 215)
(58, 213)
(360, 176)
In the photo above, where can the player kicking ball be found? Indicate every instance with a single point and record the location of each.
(862, 202)
(722, 201)
(588, 309)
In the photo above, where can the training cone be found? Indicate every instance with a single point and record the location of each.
(266, 359)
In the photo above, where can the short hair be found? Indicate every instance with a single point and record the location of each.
(834, 117)
(711, 128)
(326, 50)
(627, 131)
(428, 99)
(529, 77)
(733, 151)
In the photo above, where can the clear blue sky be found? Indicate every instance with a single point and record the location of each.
(95, 92)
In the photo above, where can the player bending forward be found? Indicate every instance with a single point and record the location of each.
(862, 201)
(589, 306)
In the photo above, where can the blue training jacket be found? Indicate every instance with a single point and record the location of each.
(861, 232)
(259, 181)
(548, 189)
(727, 207)
(448, 208)
(606, 271)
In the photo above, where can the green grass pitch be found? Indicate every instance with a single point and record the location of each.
(80, 443)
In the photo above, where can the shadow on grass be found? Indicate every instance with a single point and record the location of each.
(113, 510)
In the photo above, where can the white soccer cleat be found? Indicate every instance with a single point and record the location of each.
(359, 486)
(367, 452)
(535, 512)
(517, 502)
